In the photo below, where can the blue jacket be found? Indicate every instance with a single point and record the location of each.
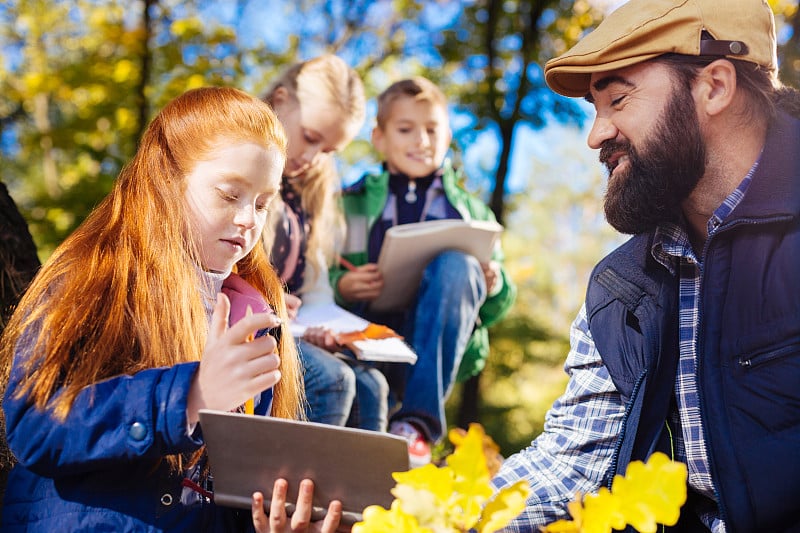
(748, 346)
(101, 469)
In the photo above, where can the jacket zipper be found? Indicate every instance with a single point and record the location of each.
(750, 361)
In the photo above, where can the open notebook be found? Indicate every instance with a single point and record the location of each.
(248, 453)
(342, 321)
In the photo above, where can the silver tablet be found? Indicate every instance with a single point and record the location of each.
(248, 453)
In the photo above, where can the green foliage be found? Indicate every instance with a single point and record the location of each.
(71, 93)
(78, 80)
(789, 51)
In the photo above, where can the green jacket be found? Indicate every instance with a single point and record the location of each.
(363, 203)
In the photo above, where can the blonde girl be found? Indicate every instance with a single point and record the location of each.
(321, 104)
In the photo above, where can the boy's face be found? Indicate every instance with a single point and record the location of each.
(415, 138)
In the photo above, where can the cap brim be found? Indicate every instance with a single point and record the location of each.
(574, 80)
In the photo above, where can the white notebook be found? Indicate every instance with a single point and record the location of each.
(408, 248)
(339, 320)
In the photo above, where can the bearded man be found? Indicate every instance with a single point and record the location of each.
(689, 339)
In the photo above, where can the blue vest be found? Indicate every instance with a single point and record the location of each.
(748, 345)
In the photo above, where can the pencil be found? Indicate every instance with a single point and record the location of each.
(347, 264)
(249, 404)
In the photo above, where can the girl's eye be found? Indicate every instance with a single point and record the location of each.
(310, 138)
(229, 197)
(404, 130)
(261, 207)
(616, 101)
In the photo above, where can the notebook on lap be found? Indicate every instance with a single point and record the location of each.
(248, 453)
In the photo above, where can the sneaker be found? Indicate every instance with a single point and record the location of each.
(419, 450)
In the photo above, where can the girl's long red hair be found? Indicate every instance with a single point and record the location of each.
(124, 292)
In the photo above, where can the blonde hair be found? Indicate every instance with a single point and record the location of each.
(419, 88)
(329, 79)
(123, 292)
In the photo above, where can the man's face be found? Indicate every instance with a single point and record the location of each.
(650, 141)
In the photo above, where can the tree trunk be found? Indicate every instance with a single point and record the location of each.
(146, 59)
(18, 264)
(470, 399)
(18, 258)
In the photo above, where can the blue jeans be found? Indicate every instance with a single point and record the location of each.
(439, 326)
(340, 392)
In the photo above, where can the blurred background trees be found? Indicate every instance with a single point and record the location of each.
(79, 79)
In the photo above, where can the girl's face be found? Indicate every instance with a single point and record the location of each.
(312, 127)
(227, 196)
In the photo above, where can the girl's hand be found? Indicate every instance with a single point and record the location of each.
(234, 368)
(293, 304)
(363, 283)
(300, 521)
(322, 337)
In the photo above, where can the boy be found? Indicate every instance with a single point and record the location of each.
(458, 298)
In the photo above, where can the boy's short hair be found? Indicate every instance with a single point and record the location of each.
(419, 88)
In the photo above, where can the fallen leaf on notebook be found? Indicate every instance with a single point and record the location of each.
(372, 331)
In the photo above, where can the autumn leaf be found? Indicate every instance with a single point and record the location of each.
(420, 503)
(491, 450)
(450, 498)
(601, 512)
(469, 464)
(376, 519)
(562, 526)
(652, 493)
(507, 504)
(437, 481)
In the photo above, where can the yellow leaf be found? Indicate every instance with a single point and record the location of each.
(601, 513)
(507, 504)
(491, 450)
(562, 526)
(34, 82)
(437, 481)
(195, 81)
(420, 504)
(125, 118)
(185, 27)
(651, 493)
(468, 461)
(123, 70)
(376, 519)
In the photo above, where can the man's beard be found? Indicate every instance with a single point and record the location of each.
(660, 175)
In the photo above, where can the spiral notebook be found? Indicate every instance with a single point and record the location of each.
(248, 453)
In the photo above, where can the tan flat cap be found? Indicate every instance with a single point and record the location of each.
(643, 29)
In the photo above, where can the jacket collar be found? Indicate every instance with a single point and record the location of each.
(775, 189)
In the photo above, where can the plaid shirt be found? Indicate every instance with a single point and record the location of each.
(576, 448)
